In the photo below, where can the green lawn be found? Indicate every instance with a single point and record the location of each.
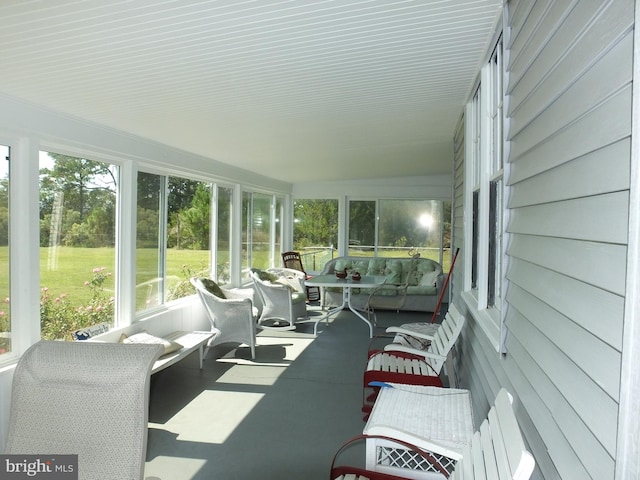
(64, 270)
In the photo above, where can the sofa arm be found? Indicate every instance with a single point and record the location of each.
(329, 267)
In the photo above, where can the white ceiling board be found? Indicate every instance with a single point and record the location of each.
(295, 90)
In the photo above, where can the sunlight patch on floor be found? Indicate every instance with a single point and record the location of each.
(226, 410)
(163, 467)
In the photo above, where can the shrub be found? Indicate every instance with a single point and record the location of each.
(60, 316)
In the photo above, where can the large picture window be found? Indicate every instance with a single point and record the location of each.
(77, 239)
(399, 227)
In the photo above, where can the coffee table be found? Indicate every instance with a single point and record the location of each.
(326, 281)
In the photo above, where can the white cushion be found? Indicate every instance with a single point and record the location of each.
(429, 278)
(144, 337)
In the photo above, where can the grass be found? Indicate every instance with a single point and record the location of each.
(66, 269)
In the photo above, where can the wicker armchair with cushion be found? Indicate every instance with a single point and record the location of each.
(230, 311)
(283, 297)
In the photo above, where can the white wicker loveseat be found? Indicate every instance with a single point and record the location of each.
(425, 283)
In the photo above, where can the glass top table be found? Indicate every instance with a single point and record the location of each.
(347, 284)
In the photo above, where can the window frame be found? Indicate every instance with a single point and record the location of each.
(484, 195)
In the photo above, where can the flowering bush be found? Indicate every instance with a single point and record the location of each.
(5, 328)
(183, 287)
(59, 316)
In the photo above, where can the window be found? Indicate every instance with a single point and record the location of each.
(362, 227)
(77, 238)
(494, 281)
(188, 235)
(261, 231)
(484, 196)
(5, 310)
(149, 240)
(224, 209)
(315, 231)
(173, 246)
(400, 227)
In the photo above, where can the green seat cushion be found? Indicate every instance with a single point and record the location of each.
(265, 276)
(212, 287)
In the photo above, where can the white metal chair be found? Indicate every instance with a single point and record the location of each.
(496, 451)
(399, 364)
(283, 297)
(230, 311)
(88, 399)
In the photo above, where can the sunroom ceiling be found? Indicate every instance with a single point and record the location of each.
(291, 89)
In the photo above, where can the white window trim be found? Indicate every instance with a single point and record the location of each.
(489, 319)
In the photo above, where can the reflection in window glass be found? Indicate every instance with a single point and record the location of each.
(277, 232)
(77, 240)
(149, 260)
(5, 309)
(260, 225)
(362, 227)
(315, 231)
(224, 205)
(188, 235)
(257, 224)
(403, 228)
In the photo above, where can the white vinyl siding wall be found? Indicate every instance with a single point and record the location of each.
(569, 73)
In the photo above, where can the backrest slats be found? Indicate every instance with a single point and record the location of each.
(509, 429)
(447, 333)
(497, 451)
(499, 448)
(488, 450)
(476, 471)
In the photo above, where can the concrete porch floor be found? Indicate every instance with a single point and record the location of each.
(280, 416)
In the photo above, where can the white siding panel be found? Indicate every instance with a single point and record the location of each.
(574, 450)
(586, 134)
(573, 340)
(527, 42)
(562, 62)
(519, 11)
(565, 256)
(608, 75)
(602, 171)
(567, 170)
(602, 218)
(596, 409)
(595, 310)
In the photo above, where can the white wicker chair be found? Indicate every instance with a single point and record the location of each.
(231, 312)
(88, 399)
(283, 296)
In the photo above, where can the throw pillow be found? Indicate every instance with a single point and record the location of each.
(429, 278)
(144, 337)
(212, 287)
(394, 271)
